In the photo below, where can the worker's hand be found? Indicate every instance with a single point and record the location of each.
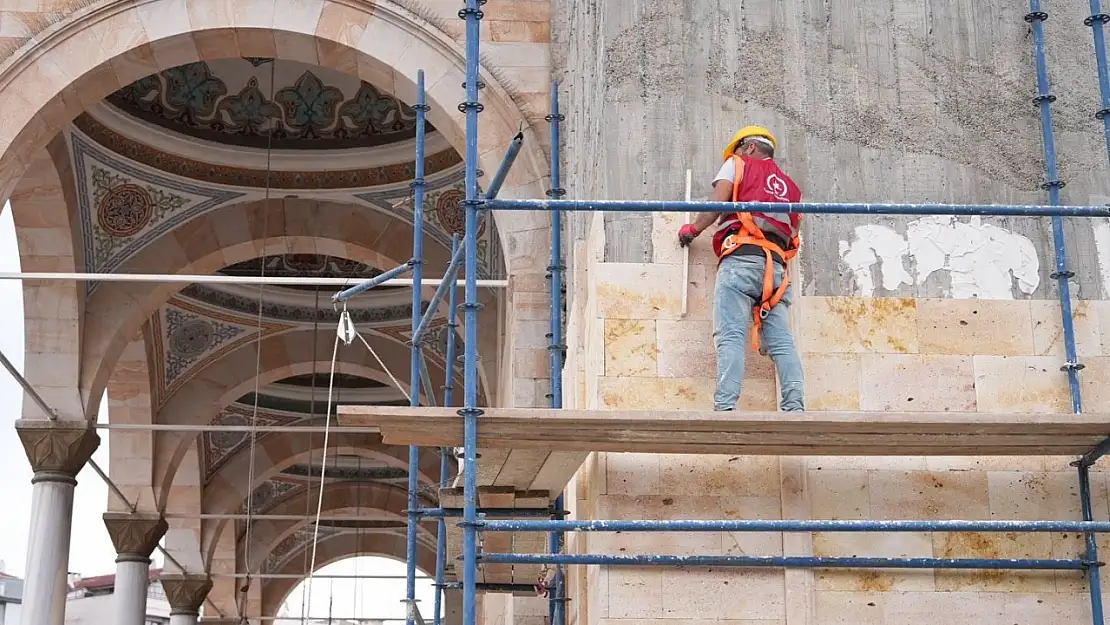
(687, 234)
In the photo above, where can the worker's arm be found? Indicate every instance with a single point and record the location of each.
(722, 192)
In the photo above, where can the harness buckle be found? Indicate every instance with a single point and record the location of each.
(763, 312)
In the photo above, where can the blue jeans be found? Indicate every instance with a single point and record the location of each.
(739, 289)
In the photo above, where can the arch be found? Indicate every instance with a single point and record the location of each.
(52, 309)
(231, 235)
(225, 380)
(338, 547)
(225, 491)
(340, 498)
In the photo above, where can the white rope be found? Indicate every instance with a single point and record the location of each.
(306, 607)
(384, 368)
(345, 331)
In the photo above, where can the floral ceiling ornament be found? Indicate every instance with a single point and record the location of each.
(228, 100)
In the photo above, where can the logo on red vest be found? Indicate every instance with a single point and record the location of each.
(776, 187)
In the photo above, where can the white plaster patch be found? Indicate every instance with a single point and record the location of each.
(982, 260)
(1102, 249)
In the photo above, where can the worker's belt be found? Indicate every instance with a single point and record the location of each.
(750, 249)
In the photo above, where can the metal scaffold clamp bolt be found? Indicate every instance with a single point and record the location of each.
(1036, 16)
(1097, 17)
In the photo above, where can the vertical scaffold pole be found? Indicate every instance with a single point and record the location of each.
(470, 411)
(415, 349)
(557, 603)
(1053, 184)
(1097, 22)
(1036, 18)
(444, 452)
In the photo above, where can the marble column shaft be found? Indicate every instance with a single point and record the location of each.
(57, 451)
(135, 537)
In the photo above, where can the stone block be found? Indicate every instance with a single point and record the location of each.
(839, 494)
(636, 593)
(888, 545)
(857, 324)
(973, 326)
(1048, 327)
(630, 347)
(993, 545)
(832, 381)
(705, 594)
(1093, 382)
(928, 495)
(686, 348)
(651, 393)
(647, 291)
(724, 476)
(751, 543)
(1021, 384)
(632, 474)
(917, 383)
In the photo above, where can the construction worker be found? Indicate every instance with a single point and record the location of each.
(753, 283)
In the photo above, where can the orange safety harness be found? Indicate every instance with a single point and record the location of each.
(751, 234)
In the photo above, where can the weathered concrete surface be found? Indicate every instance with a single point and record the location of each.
(871, 100)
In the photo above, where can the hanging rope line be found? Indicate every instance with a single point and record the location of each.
(245, 588)
(311, 418)
(323, 475)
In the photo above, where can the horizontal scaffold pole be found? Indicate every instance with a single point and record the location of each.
(665, 206)
(786, 525)
(805, 562)
(366, 285)
(158, 278)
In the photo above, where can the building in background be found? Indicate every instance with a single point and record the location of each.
(11, 598)
(89, 601)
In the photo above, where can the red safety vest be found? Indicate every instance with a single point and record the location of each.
(761, 180)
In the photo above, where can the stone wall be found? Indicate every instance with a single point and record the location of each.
(871, 101)
(632, 349)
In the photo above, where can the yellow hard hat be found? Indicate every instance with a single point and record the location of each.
(746, 132)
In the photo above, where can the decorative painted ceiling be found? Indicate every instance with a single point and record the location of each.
(259, 102)
(125, 205)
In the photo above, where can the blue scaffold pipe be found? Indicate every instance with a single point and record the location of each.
(449, 282)
(416, 353)
(1044, 98)
(1093, 574)
(426, 380)
(437, 513)
(1097, 21)
(803, 562)
(452, 314)
(664, 206)
(506, 165)
(366, 285)
(557, 603)
(787, 525)
(470, 411)
(441, 540)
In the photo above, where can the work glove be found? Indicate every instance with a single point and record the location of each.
(687, 234)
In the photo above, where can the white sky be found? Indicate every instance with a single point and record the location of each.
(91, 552)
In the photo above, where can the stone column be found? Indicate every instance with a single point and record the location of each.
(185, 594)
(135, 536)
(57, 451)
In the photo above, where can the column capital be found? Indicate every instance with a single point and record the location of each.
(60, 447)
(186, 593)
(135, 535)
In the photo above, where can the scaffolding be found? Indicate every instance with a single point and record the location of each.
(474, 519)
(552, 522)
